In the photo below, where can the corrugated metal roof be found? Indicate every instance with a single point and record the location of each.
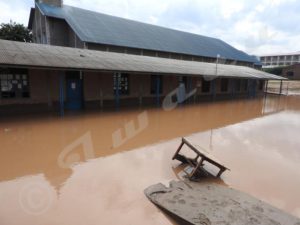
(46, 56)
(94, 27)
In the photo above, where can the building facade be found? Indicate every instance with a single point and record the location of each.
(37, 77)
(280, 60)
(292, 72)
(40, 90)
(85, 59)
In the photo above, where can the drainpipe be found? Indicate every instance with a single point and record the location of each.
(49, 90)
(190, 86)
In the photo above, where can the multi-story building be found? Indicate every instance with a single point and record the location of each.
(276, 60)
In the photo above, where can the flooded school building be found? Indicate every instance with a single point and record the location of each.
(97, 120)
(83, 59)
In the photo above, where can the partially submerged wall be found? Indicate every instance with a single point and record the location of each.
(98, 90)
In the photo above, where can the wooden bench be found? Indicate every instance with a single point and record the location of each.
(195, 163)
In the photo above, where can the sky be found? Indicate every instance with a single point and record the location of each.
(257, 27)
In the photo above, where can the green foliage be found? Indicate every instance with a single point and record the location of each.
(15, 32)
(275, 70)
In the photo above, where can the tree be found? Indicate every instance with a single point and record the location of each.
(15, 32)
(275, 70)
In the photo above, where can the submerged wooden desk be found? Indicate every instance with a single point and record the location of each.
(201, 153)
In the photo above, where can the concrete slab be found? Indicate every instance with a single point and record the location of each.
(213, 204)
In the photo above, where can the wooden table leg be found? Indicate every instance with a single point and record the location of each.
(197, 167)
(178, 150)
(220, 172)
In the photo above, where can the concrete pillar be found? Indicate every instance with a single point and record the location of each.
(101, 98)
(157, 91)
(266, 87)
(141, 94)
(49, 89)
(190, 84)
(117, 92)
(62, 93)
(249, 88)
(232, 86)
(213, 88)
(280, 90)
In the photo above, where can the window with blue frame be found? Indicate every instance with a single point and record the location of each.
(121, 83)
(14, 83)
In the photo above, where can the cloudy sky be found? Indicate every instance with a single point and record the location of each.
(256, 27)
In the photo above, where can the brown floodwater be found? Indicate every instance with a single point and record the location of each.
(92, 167)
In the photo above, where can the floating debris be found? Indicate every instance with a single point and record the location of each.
(197, 163)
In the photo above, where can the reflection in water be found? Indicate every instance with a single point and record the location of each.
(263, 155)
(259, 146)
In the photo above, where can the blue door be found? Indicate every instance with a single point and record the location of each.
(252, 88)
(74, 93)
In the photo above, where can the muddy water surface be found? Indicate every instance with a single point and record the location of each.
(81, 169)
